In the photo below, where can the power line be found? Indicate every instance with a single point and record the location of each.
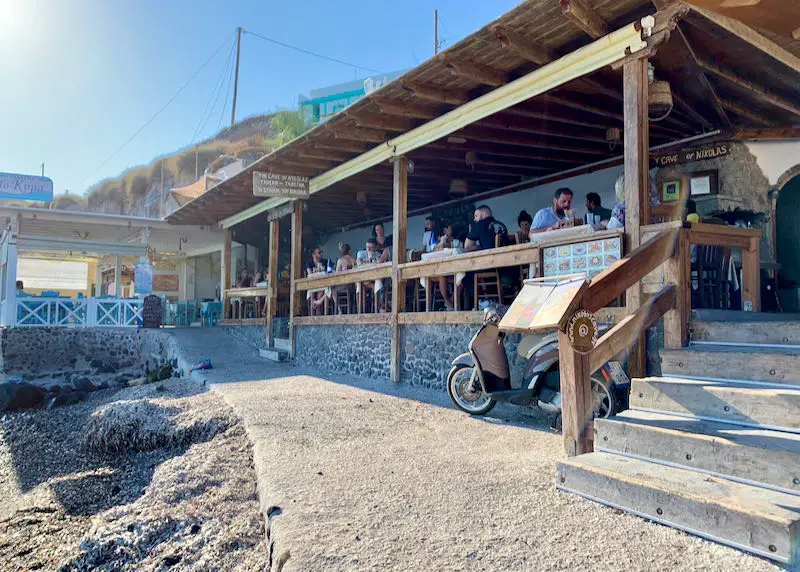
(227, 95)
(157, 113)
(211, 105)
(310, 53)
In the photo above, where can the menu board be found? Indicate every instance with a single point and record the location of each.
(543, 304)
(589, 257)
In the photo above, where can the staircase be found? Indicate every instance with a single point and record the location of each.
(279, 351)
(713, 445)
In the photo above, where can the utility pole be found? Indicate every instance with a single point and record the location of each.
(42, 169)
(163, 205)
(435, 32)
(236, 76)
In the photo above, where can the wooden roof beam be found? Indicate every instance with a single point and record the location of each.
(357, 134)
(385, 122)
(715, 100)
(509, 151)
(478, 73)
(340, 145)
(522, 45)
(514, 123)
(690, 110)
(324, 154)
(747, 113)
(770, 133)
(579, 13)
(522, 139)
(436, 94)
(412, 110)
(750, 87)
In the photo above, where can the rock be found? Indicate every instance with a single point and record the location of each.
(82, 384)
(137, 382)
(164, 372)
(14, 396)
(67, 399)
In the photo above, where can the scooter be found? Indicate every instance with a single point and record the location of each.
(480, 378)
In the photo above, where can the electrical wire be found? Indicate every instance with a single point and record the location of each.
(309, 52)
(160, 109)
(211, 105)
(227, 95)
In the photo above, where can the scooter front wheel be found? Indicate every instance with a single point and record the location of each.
(466, 392)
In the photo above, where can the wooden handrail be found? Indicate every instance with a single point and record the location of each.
(365, 273)
(625, 333)
(614, 280)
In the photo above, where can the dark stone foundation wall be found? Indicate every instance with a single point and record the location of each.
(363, 350)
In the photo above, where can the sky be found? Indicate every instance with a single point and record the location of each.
(78, 78)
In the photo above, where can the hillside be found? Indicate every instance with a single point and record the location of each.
(137, 191)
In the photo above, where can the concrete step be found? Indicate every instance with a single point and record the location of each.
(755, 519)
(734, 362)
(273, 354)
(771, 407)
(755, 456)
(282, 344)
(757, 329)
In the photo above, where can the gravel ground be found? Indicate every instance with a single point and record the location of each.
(187, 505)
(368, 480)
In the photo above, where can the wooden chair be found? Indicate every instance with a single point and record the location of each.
(434, 297)
(342, 299)
(710, 273)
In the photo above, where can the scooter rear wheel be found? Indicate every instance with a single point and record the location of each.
(466, 395)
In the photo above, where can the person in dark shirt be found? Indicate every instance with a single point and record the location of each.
(483, 230)
(595, 212)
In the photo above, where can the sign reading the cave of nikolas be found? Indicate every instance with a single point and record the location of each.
(280, 185)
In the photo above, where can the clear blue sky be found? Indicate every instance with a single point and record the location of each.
(79, 77)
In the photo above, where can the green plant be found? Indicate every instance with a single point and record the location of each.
(287, 126)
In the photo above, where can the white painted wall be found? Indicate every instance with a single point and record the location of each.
(206, 275)
(775, 157)
(505, 208)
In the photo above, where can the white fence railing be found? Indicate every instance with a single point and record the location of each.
(77, 313)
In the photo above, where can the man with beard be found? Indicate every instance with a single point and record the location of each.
(551, 218)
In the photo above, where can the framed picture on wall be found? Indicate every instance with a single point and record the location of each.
(703, 183)
(671, 191)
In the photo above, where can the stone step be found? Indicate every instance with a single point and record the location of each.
(734, 362)
(272, 354)
(282, 344)
(760, 331)
(756, 456)
(772, 407)
(755, 519)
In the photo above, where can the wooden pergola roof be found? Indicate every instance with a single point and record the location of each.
(723, 74)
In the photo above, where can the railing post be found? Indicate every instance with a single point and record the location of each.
(10, 308)
(399, 220)
(272, 277)
(751, 275)
(225, 272)
(677, 270)
(576, 398)
(296, 269)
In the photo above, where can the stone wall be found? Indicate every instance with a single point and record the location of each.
(253, 335)
(41, 352)
(363, 350)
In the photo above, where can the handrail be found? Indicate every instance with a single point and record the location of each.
(614, 280)
(247, 292)
(365, 273)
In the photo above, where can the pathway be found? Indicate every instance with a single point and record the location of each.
(374, 476)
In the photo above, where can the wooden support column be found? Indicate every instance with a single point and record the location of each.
(399, 223)
(576, 398)
(296, 259)
(637, 184)
(272, 277)
(117, 276)
(751, 275)
(225, 272)
(677, 271)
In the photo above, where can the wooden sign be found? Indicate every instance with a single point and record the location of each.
(690, 155)
(280, 211)
(544, 304)
(582, 331)
(279, 185)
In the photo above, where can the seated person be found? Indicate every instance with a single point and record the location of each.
(524, 221)
(20, 287)
(596, 213)
(447, 240)
(554, 217)
(618, 212)
(346, 261)
(429, 237)
(483, 230)
(245, 280)
(316, 265)
(372, 256)
(383, 243)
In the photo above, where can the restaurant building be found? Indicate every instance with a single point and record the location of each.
(686, 102)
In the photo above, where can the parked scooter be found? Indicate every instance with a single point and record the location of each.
(480, 378)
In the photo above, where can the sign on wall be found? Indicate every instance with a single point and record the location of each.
(690, 155)
(279, 185)
(26, 187)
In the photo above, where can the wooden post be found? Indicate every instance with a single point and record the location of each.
(399, 221)
(677, 270)
(751, 275)
(296, 259)
(117, 276)
(10, 277)
(576, 398)
(637, 184)
(225, 272)
(272, 277)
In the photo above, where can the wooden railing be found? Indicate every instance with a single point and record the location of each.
(575, 367)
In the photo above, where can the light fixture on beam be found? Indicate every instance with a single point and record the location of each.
(470, 159)
(458, 188)
(456, 139)
(613, 137)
